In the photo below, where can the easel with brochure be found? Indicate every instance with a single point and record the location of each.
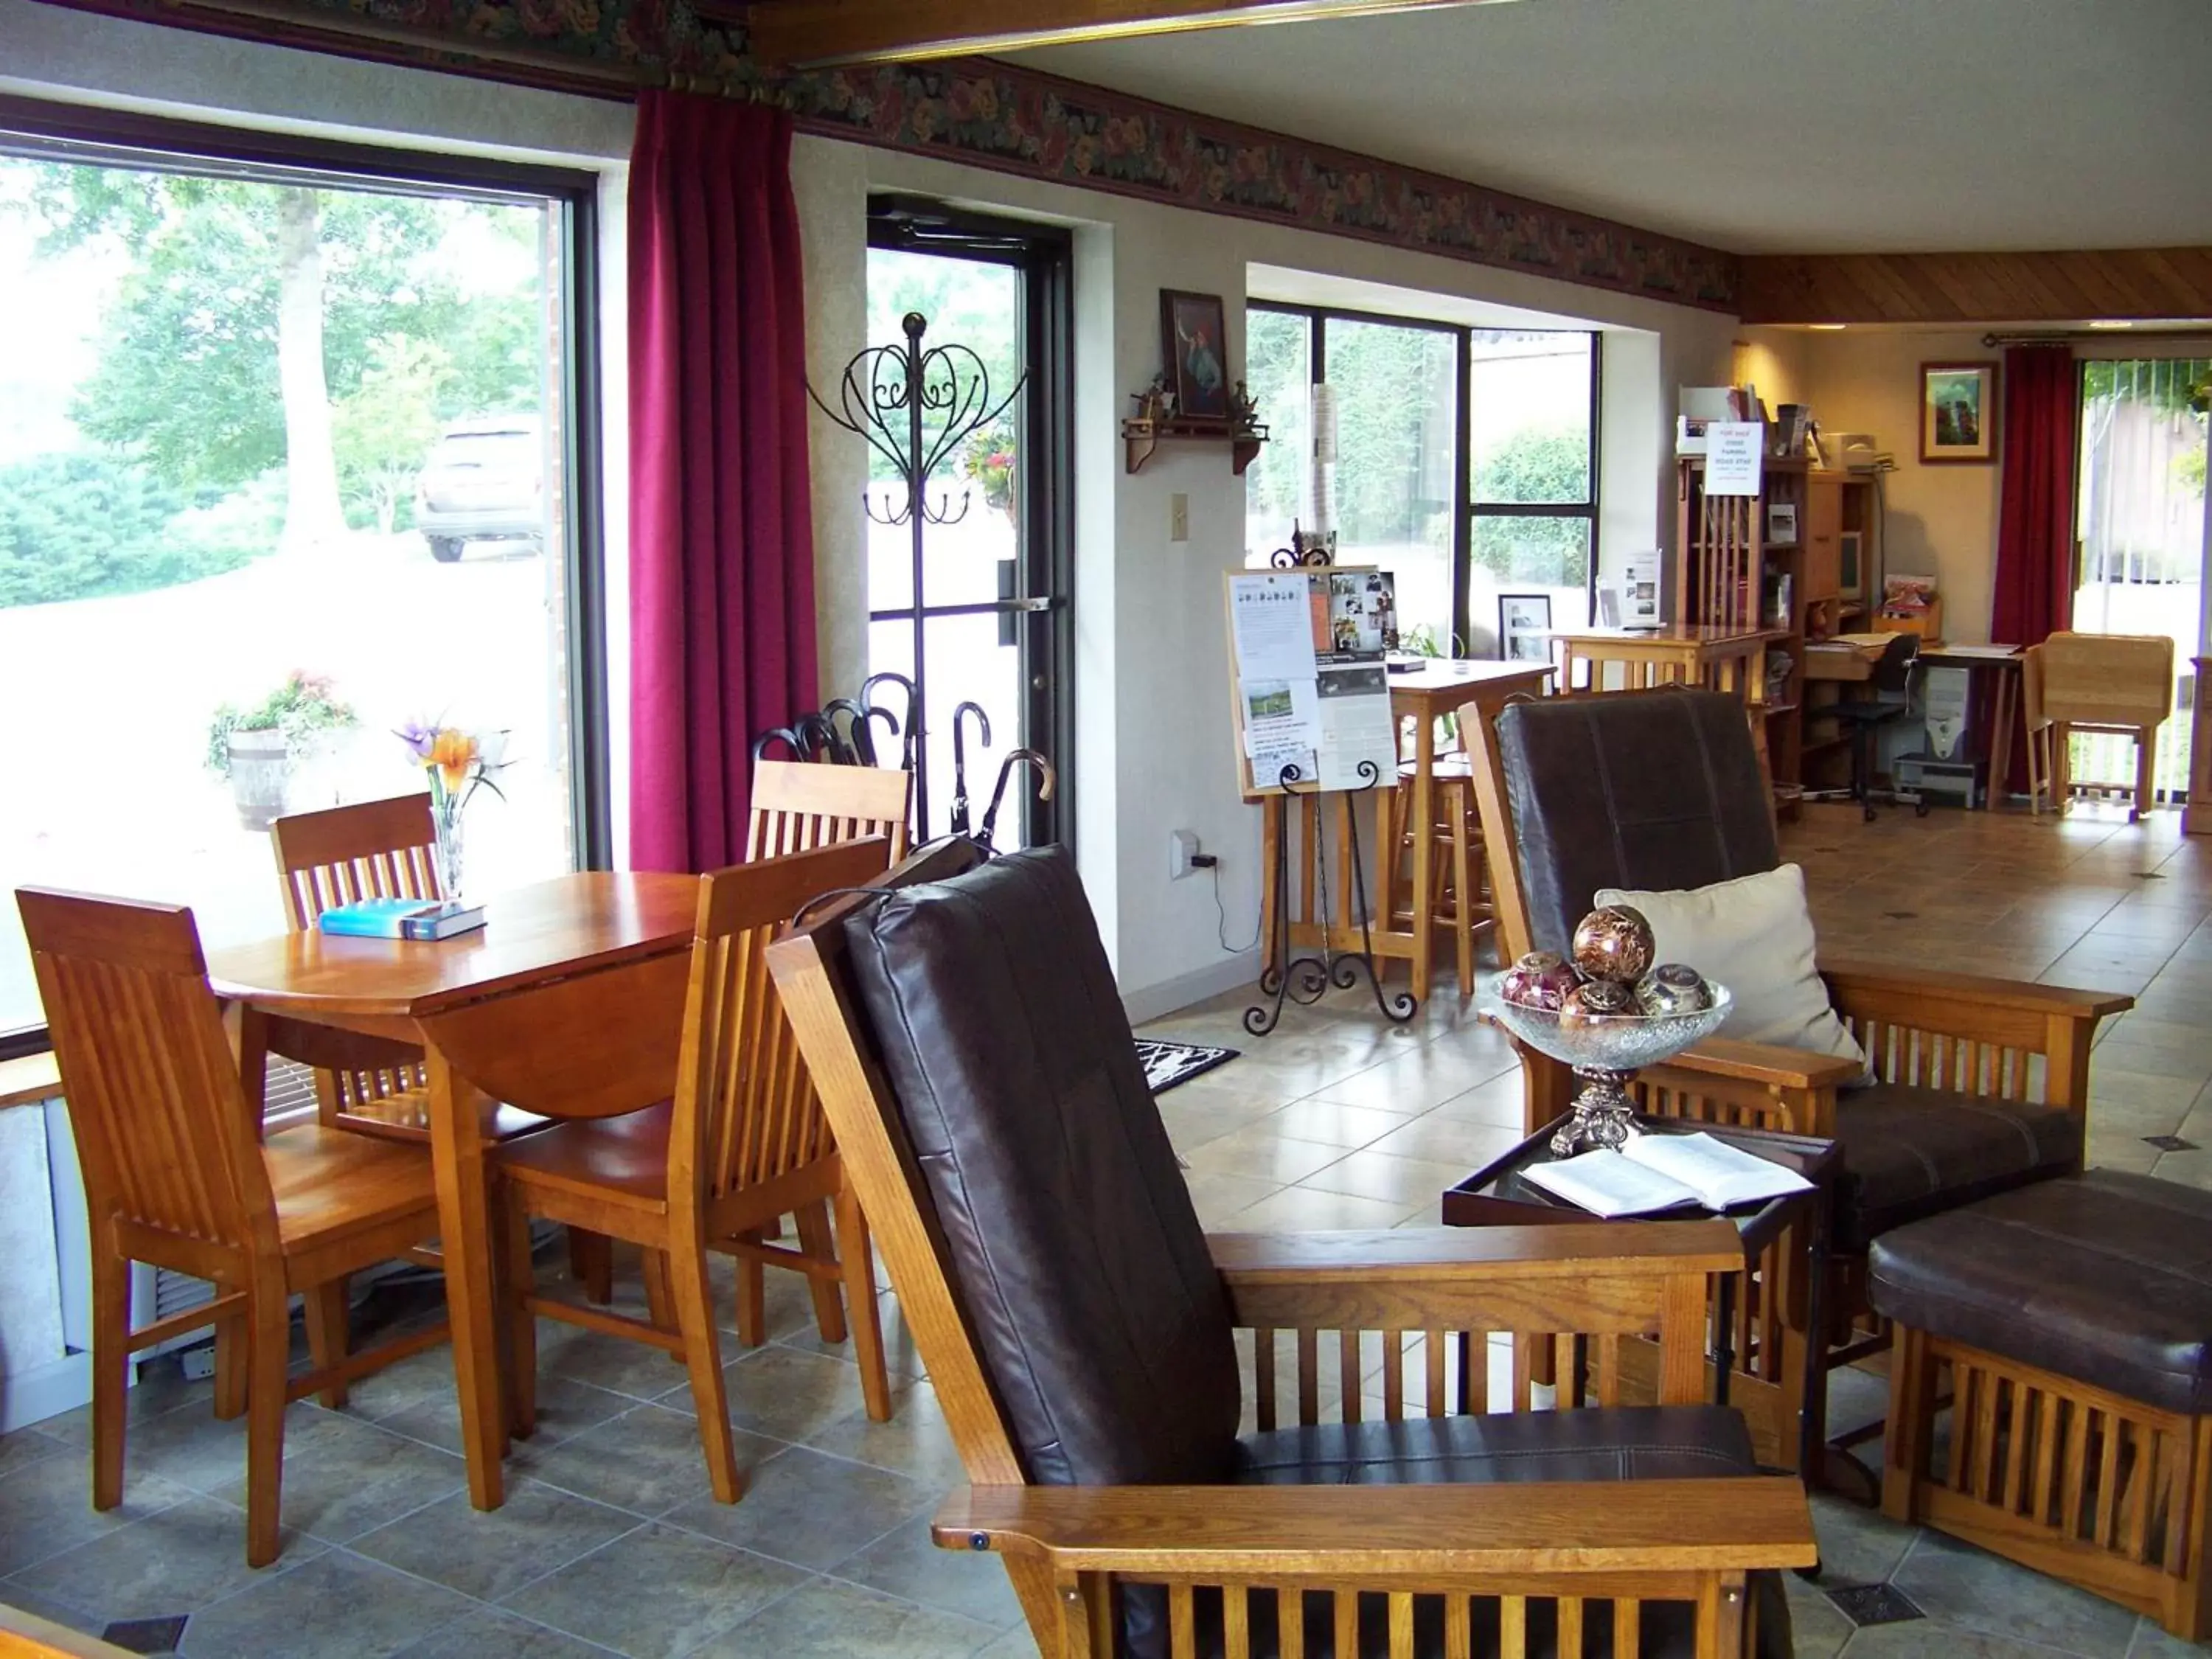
(1309, 699)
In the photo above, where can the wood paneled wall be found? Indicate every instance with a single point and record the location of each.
(1978, 288)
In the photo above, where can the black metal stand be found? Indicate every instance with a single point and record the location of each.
(1305, 979)
(915, 408)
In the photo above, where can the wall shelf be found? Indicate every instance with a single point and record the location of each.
(1141, 438)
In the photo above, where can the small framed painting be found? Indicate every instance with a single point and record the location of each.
(1195, 343)
(1524, 627)
(1958, 413)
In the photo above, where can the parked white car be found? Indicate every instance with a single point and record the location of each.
(484, 480)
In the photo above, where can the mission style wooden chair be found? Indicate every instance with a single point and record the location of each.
(176, 1175)
(373, 1085)
(1978, 1085)
(1084, 1339)
(801, 805)
(742, 1144)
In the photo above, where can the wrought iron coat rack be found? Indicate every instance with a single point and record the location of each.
(915, 407)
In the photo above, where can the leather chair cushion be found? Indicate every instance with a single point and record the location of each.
(1658, 790)
(1098, 1313)
(1910, 1154)
(2105, 1277)
(1625, 1442)
(1629, 1443)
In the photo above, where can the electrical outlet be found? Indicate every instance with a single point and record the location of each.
(1178, 517)
(1182, 847)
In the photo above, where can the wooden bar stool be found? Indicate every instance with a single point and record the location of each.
(1457, 904)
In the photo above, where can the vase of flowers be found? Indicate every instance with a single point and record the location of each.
(259, 747)
(456, 765)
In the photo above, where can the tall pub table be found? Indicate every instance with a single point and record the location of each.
(1679, 653)
(567, 1002)
(1439, 687)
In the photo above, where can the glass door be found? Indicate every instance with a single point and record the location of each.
(2140, 526)
(987, 635)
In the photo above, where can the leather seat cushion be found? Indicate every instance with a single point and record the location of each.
(1622, 1443)
(1626, 1442)
(2105, 1277)
(1097, 1310)
(1911, 1153)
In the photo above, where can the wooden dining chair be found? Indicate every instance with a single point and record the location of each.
(801, 805)
(176, 1176)
(371, 1085)
(742, 1144)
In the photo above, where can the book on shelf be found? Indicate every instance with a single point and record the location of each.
(402, 918)
(1658, 1172)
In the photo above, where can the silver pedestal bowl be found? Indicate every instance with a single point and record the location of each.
(1606, 1051)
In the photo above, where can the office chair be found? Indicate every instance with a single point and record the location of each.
(1864, 719)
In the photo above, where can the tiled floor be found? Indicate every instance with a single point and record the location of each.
(608, 1542)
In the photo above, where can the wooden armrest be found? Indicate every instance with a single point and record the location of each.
(1767, 1063)
(1434, 1255)
(1845, 978)
(1216, 1533)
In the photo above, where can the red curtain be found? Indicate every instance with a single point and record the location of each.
(722, 561)
(2034, 594)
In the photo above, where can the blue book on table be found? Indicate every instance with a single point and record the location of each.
(403, 918)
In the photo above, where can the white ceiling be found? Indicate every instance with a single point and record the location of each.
(1756, 125)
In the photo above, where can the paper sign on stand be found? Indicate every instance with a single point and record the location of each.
(1735, 453)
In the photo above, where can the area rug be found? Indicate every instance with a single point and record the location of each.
(1167, 1064)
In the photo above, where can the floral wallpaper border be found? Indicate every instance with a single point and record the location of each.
(989, 113)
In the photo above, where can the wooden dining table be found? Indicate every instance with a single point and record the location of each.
(567, 1002)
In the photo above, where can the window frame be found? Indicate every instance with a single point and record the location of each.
(1468, 509)
(34, 128)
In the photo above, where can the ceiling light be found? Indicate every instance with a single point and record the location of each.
(1826, 328)
(2111, 322)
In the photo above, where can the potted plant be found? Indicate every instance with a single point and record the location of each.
(990, 463)
(257, 747)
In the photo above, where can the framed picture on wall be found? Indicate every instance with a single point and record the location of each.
(1195, 345)
(1524, 627)
(1958, 413)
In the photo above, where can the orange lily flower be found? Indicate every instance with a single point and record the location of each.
(452, 752)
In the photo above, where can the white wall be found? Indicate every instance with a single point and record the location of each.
(1153, 748)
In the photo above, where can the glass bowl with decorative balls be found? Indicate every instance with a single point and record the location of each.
(1606, 1025)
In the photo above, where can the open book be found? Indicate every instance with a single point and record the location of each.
(1665, 1172)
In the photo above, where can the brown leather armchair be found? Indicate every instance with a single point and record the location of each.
(1979, 1084)
(1093, 1349)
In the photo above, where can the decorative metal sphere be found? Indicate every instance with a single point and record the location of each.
(1539, 980)
(1597, 999)
(1613, 943)
(1673, 988)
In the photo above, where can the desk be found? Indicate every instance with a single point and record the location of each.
(1441, 687)
(569, 1002)
(1680, 653)
(1998, 675)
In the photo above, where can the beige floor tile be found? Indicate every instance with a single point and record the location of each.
(1332, 1123)
(1219, 1197)
(1426, 1078)
(1439, 1139)
(1257, 1152)
(1401, 1181)
(1301, 1210)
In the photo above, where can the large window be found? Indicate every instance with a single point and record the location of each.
(288, 458)
(1465, 460)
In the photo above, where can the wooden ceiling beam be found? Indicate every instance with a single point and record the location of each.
(820, 33)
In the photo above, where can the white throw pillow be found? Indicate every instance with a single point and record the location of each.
(1754, 935)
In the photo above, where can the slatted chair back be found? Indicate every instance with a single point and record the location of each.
(746, 1112)
(163, 1132)
(371, 849)
(376, 849)
(798, 805)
